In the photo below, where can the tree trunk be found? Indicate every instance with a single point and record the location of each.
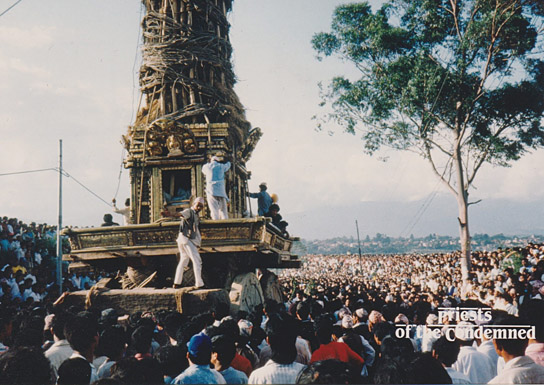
(462, 207)
(464, 236)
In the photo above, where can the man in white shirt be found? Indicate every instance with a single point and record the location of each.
(125, 212)
(216, 194)
(487, 348)
(518, 368)
(446, 353)
(81, 331)
(475, 365)
(60, 350)
(281, 368)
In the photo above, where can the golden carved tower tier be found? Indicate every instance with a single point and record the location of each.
(188, 110)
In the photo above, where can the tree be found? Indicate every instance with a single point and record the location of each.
(459, 82)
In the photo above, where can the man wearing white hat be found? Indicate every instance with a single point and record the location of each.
(189, 240)
(216, 194)
(474, 364)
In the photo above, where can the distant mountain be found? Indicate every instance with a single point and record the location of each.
(420, 218)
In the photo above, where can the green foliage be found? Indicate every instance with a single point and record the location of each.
(513, 260)
(440, 76)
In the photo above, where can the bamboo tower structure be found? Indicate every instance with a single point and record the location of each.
(188, 110)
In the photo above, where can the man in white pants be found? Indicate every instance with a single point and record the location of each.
(216, 194)
(189, 240)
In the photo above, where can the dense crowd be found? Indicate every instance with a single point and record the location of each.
(344, 319)
(28, 266)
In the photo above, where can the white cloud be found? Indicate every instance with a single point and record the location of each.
(22, 38)
(18, 65)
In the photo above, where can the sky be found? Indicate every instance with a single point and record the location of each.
(68, 70)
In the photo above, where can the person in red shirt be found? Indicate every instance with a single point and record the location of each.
(329, 349)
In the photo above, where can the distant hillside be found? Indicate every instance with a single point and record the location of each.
(419, 218)
(382, 244)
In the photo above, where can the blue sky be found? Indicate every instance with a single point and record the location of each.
(68, 70)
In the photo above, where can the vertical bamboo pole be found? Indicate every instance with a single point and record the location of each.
(183, 13)
(59, 224)
(192, 99)
(174, 98)
(163, 100)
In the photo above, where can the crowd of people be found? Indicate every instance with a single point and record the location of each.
(28, 266)
(26, 271)
(375, 296)
(339, 323)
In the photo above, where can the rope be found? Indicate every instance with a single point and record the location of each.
(419, 214)
(65, 173)
(27, 171)
(120, 173)
(178, 294)
(134, 63)
(7, 10)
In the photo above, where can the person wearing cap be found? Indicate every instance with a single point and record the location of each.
(216, 194)
(428, 336)
(360, 316)
(474, 364)
(357, 343)
(199, 354)
(189, 240)
(263, 199)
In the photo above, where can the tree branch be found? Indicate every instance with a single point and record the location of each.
(488, 70)
(440, 176)
(455, 19)
(482, 158)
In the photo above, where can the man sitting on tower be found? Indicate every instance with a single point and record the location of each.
(216, 194)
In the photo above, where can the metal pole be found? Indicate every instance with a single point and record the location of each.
(359, 240)
(59, 224)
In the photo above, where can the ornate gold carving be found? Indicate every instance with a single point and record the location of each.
(155, 237)
(165, 134)
(250, 143)
(227, 233)
(174, 146)
(103, 240)
(74, 245)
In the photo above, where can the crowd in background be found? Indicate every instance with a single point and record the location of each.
(28, 265)
(338, 323)
(502, 279)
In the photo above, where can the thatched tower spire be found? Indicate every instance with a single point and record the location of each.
(188, 109)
